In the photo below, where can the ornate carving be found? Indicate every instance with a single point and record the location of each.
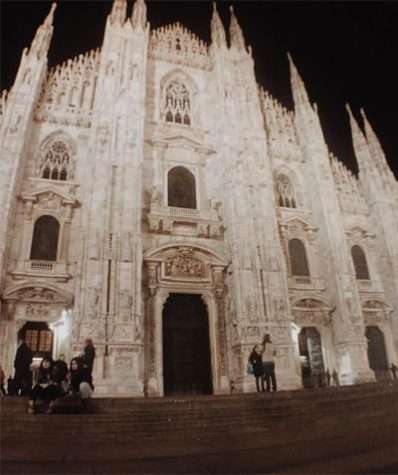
(67, 95)
(49, 201)
(123, 363)
(176, 44)
(39, 310)
(184, 266)
(36, 294)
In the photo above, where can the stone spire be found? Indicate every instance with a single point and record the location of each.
(375, 149)
(217, 29)
(300, 95)
(139, 14)
(118, 12)
(360, 144)
(41, 41)
(235, 33)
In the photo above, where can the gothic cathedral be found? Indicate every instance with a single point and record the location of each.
(157, 200)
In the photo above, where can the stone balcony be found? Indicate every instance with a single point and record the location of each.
(33, 268)
(196, 222)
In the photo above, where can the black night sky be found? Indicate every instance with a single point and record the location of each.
(345, 51)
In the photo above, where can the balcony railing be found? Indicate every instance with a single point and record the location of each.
(55, 269)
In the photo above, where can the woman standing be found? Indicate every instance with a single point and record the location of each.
(256, 360)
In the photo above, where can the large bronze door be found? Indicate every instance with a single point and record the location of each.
(186, 346)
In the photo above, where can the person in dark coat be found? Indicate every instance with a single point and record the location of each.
(89, 354)
(60, 369)
(80, 379)
(23, 374)
(2, 382)
(256, 361)
(45, 388)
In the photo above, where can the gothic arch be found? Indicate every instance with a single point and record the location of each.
(291, 175)
(181, 188)
(45, 238)
(360, 262)
(177, 98)
(298, 258)
(56, 157)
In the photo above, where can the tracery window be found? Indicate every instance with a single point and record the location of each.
(285, 192)
(181, 188)
(360, 263)
(177, 103)
(298, 258)
(45, 239)
(56, 162)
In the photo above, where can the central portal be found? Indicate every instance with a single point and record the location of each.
(186, 346)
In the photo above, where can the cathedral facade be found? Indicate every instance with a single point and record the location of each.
(158, 201)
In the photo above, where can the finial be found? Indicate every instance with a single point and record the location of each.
(231, 8)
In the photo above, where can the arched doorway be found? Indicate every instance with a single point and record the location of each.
(311, 357)
(186, 346)
(377, 354)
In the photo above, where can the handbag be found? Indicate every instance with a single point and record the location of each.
(249, 369)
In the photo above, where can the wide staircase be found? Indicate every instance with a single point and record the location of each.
(352, 429)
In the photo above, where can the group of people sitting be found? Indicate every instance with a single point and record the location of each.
(53, 381)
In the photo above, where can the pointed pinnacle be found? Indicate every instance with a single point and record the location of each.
(50, 17)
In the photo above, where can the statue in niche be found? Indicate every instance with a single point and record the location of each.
(93, 299)
(126, 303)
(251, 309)
(156, 197)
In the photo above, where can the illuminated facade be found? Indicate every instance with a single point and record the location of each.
(157, 200)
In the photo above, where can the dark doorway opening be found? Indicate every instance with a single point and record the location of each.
(377, 354)
(311, 358)
(186, 346)
(39, 338)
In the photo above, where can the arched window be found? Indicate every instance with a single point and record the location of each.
(181, 188)
(285, 192)
(177, 103)
(360, 264)
(45, 239)
(298, 258)
(56, 161)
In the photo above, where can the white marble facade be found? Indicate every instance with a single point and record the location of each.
(90, 143)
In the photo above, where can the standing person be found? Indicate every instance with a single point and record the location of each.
(80, 379)
(269, 362)
(256, 360)
(45, 387)
(394, 369)
(23, 360)
(328, 377)
(89, 354)
(60, 369)
(2, 382)
(335, 378)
